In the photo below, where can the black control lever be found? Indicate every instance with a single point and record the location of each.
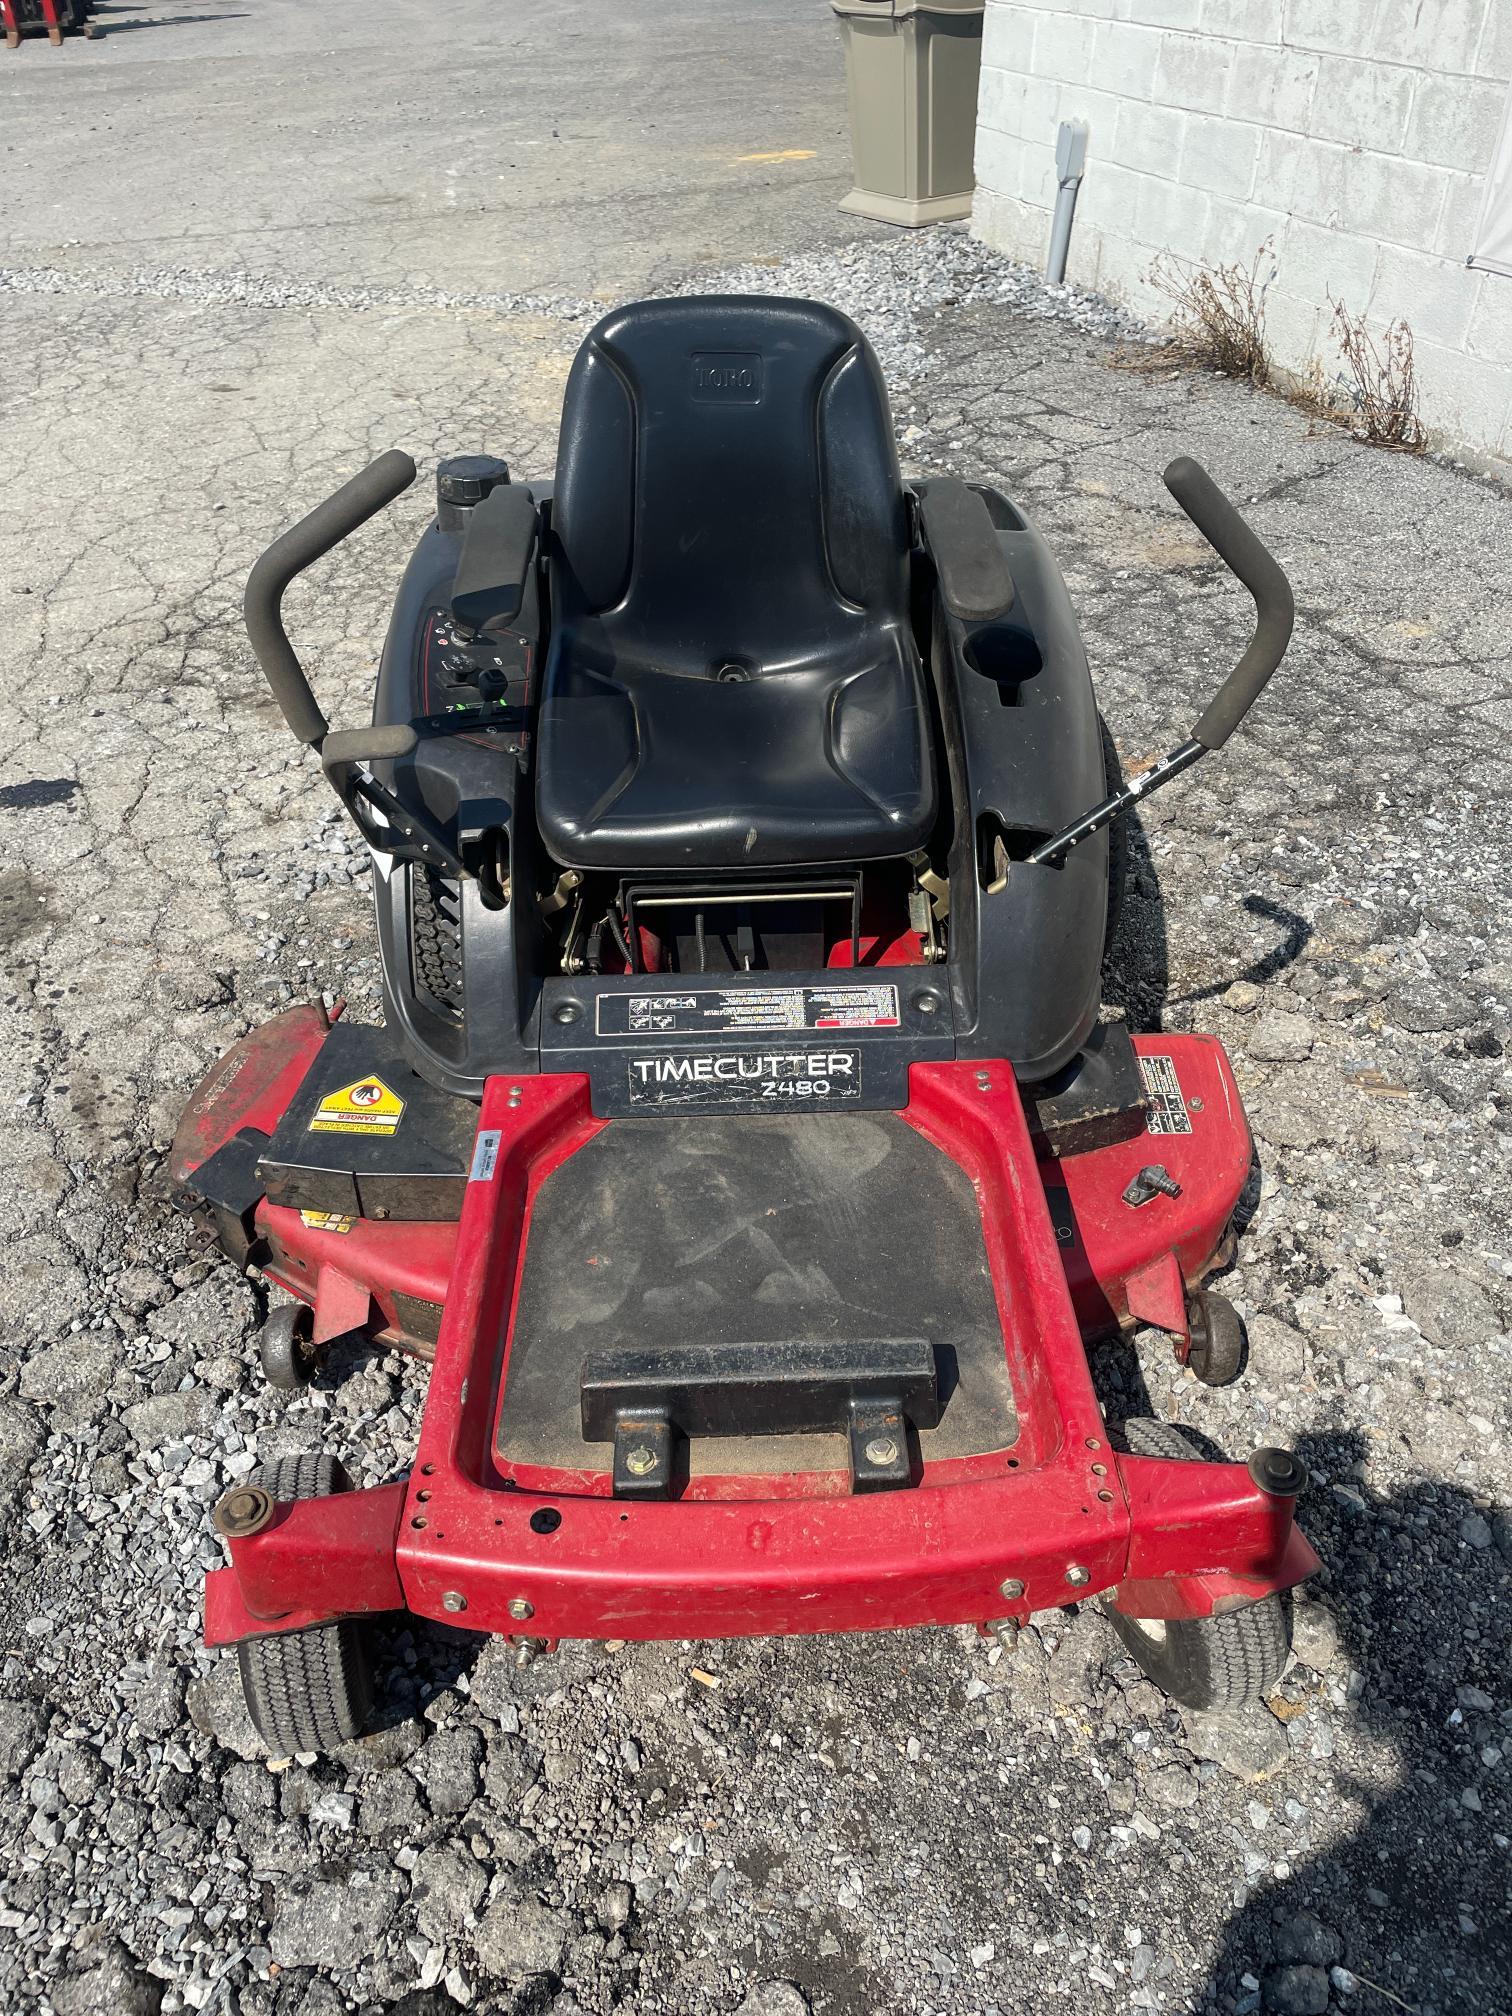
(344, 753)
(300, 547)
(1242, 551)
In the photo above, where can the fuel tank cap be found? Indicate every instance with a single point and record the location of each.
(465, 480)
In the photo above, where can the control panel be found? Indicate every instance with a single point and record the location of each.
(487, 678)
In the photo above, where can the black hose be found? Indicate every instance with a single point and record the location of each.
(326, 526)
(623, 943)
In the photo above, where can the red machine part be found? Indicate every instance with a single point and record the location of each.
(52, 20)
(352, 1278)
(1061, 1515)
(1129, 1264)
(250, 1086)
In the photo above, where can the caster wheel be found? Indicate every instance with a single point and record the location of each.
(1217, 1338)
(284, 1347)
(1230, 1661)
(307, 1690)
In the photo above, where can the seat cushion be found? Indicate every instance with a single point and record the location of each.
(732, 678)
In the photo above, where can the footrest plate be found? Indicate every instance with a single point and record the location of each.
(870, 1390)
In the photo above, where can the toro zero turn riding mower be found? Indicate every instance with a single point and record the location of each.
(743, 1146)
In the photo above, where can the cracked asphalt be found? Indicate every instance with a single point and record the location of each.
(244, 249)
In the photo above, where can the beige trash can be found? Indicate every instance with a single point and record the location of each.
(911, 71)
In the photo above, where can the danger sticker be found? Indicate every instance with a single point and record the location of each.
(366, 1106)
(1168, 1109)
(327, 1221)
(768, 1078)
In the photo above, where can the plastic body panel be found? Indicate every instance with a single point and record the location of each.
(1025, 958)
(478, 776)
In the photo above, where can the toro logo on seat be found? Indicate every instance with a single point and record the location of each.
(731, 376)
(767, 1078)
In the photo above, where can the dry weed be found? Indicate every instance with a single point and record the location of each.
(1219, 318)
(1378, 384)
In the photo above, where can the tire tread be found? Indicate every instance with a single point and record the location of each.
(306, 1690)
(1234, 1660)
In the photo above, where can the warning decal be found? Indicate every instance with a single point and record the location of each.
(696, 1011)
(1168, 1110)
(366, 1106)
(327, 1221)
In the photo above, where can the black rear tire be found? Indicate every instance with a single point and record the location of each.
(1231, 1661)
(306, 1690)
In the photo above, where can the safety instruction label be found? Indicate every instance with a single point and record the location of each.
(1168, 1109)
(366, 1106)
(705, 1011)
(773, 1079)
(327, 1221)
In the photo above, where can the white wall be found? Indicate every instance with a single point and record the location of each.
(1356, 134)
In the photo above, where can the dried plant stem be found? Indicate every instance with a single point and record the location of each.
(1379, 382)
(1219, 318)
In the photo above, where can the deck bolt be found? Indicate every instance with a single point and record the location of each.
(243, 1511)
(882, 1449)
(1005, 1631)
(526, 1653)
(1011, 1590)
(454, 1600)
(640, 1462)
(521, 1609)
(1078, 1576)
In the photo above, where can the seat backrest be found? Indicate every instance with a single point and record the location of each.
(727, 488)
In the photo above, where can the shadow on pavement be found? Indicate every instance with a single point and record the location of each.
(1136, 968)
(112, 23)
(1410, 1908)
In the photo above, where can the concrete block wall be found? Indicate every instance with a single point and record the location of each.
(1354, 134)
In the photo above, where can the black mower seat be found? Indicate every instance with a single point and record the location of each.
(732, 679)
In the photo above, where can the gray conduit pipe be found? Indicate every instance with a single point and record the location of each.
(1070, 161)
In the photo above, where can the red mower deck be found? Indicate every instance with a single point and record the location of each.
(1059, 1515)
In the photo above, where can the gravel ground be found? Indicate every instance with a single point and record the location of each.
(911, 1823)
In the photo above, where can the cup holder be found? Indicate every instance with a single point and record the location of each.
(1005, 653)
